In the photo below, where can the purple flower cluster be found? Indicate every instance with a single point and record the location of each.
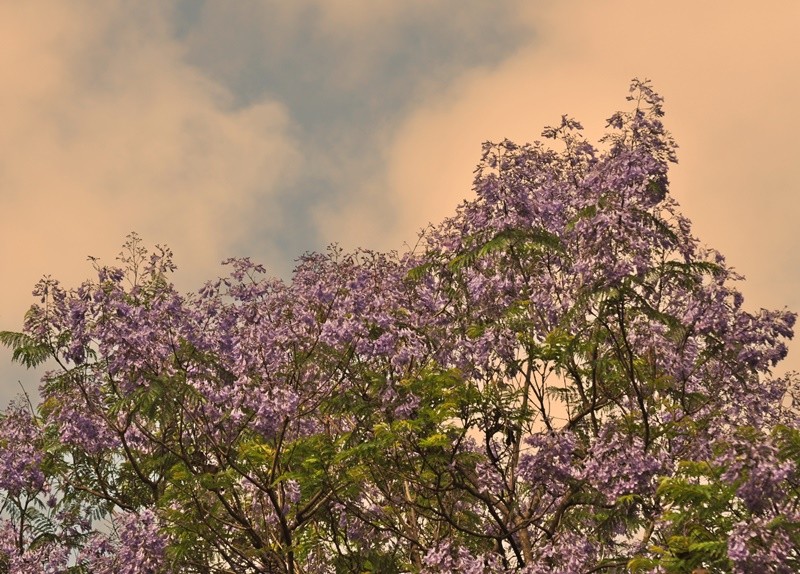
(566, 553)
(760, 544)
(48, 557)
(619, 465)
(134, 546)
(447, 557)
(20, 453)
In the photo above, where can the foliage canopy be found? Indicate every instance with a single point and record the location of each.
(559, 379)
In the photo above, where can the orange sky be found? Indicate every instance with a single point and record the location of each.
(264, 129)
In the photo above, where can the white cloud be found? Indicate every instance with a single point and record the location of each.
(106, 130)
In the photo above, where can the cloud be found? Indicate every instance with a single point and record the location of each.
(106, 130)
(349, 70)
(341, 44)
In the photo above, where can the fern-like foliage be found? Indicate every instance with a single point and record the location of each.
(25, 349)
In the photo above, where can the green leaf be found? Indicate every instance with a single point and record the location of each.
(435, 440)
(420, 271)
(715, 549)
(525, 238)
(641, 564)
(26, 350)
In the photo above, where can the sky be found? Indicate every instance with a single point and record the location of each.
(270, 128)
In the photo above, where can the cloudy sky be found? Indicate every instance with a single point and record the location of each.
(271, 128)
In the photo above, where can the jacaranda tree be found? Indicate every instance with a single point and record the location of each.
(559, 379)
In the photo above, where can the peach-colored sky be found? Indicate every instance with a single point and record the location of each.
(268, 128)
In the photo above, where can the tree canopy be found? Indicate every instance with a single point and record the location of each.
(559, 378)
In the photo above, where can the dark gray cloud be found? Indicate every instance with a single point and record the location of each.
(346, 79)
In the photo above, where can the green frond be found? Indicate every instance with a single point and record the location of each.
(523, 238)
(25, 349)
